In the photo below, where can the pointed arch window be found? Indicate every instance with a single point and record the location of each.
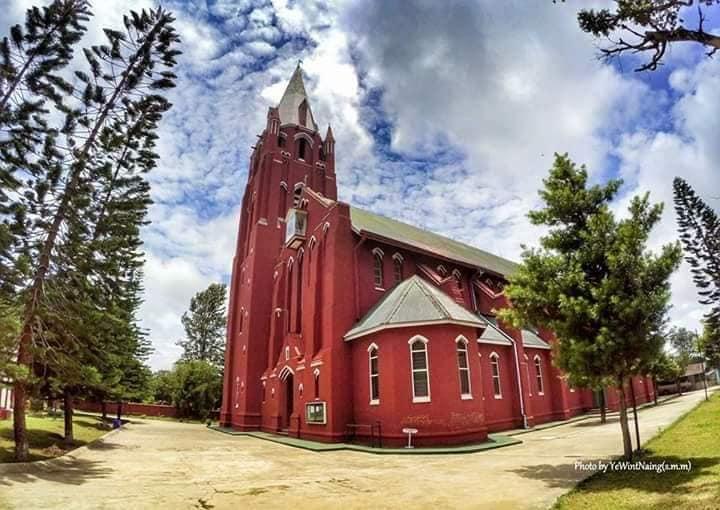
(374, 374)
(282, 201)
(463, 368)
(378, 268)
(538, 375)
(419, 369)
(302, 149)
(398, 267)
(495, 371)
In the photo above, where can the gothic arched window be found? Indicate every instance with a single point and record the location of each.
(495, 370)
(463, 367)
(302, 149)
(419, 369)
(374, 375)
(378, 268)
(398, 269)
(538, 375)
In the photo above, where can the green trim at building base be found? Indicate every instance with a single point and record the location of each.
(494, 441)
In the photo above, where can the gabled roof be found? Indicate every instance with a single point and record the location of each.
(413, 302)
(291, 100)
(493, 335)
(379, 226)
(530, 339)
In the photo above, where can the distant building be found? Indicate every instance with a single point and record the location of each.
(691, 380)
(343, 322)
(6, 399)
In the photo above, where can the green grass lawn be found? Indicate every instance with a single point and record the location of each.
(696, 436)
(45, 435)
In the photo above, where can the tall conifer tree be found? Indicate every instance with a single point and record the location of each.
(64, 251)
(204, 325)
(594, 283)
(699, 228)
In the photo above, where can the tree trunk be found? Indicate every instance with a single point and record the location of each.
(603, 406)
(655, 390)
(625, 429)
(679, 387)
(45, 256)
(103, 406)
(635, 415)
(68, 412)
(19, 425)
(119, 410)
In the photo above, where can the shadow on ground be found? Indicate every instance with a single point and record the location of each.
(46, 444)
(66, 470)
(675, 482)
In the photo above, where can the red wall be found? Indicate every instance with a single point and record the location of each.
(502, 413)
(130, 408)
(446, 418)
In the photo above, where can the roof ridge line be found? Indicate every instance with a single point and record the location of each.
(402, 298)
(438, 306)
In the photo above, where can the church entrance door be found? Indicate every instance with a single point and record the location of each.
(289, 401)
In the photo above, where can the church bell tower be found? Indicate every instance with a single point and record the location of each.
(289, 155)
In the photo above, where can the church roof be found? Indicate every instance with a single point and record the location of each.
(531, 339)
(493, 335)
(289, 105)
(386, 228)
(414, 302)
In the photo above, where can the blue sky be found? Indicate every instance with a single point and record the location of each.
(446, 115)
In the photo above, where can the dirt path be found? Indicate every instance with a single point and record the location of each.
(162, 464)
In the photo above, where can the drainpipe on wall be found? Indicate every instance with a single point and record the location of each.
(517, 372)
(519, 381)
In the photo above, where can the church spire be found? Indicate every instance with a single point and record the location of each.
(294, 107)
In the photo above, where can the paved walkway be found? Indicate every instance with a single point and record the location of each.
(163, 464)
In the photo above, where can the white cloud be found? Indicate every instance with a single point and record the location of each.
(474, 98)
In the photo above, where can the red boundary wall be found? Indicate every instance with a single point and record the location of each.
(130, 408)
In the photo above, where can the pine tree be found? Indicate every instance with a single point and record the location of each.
(30, 62)
(710, 343)
(594, 283)
(699, 227)
(65, 205)
(205, 325)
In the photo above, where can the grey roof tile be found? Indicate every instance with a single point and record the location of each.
(410, 302)
(367, 222)
(530, 339)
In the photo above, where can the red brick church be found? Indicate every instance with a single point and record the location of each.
(343, 321)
